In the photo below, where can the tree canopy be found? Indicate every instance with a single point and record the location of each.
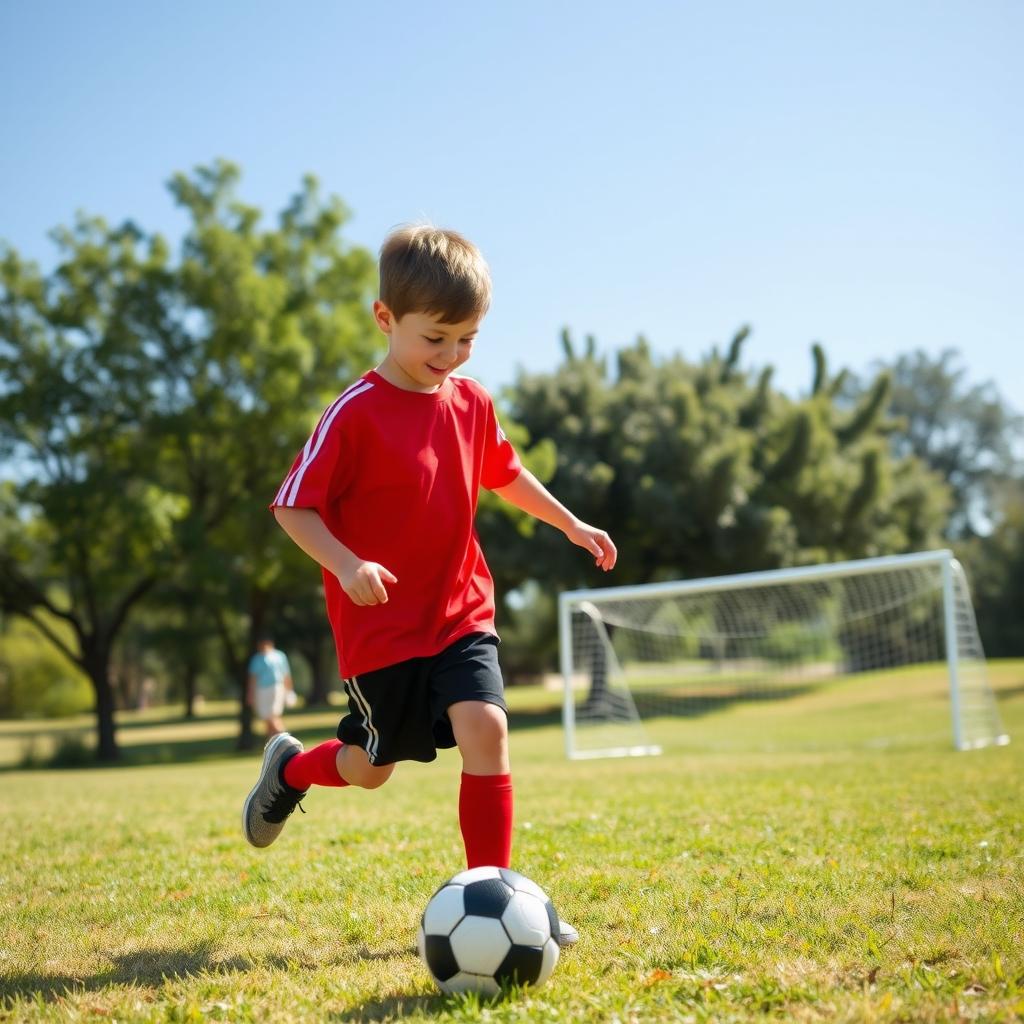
(966, 432)
(703, 468)
(149, 406)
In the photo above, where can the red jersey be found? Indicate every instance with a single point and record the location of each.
(395, 475)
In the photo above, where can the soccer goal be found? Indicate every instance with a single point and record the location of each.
(881, 651)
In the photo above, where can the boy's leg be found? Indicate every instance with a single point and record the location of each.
(485, 793)
(468, 710)
(316, 767)
(485, 797)
(288, 771)
(481, 733)
(354, 767)
(335, 764)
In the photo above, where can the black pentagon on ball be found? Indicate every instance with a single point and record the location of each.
(522, 966)
(439, 956)
(487, 898)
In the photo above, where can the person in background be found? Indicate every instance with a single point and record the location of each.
(269, 687)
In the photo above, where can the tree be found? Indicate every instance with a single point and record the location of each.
(35, 679)
(268, 326)
(149, 408)
(965, 432)
(85, 525)
(700, 469)
(996, 568)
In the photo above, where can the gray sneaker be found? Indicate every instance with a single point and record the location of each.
(567, 935)
(272, 799)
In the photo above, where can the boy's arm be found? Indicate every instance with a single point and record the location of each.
(363, 581)
(529, 494)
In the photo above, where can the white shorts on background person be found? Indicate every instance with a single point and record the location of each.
(270, 700)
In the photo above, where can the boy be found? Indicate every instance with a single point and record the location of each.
(383, 497)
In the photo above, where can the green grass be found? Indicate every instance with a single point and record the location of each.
(723, 881)
(899, 708)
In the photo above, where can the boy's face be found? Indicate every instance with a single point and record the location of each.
(422, 351)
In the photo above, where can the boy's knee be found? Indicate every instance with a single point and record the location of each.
(355, 768)
(494, 724)
(486, 723)
(376, 777)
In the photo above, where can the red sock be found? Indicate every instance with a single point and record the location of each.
(316, 767)
(485, 816)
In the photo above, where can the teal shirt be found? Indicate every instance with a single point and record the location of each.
(270, 668)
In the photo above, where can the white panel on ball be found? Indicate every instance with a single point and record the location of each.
(463, 982)
(526, 920)
(551, 952)
(444, 911)
(480, 943)
(474, 875)
(524, 884)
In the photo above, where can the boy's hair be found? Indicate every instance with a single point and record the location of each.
(424, 269)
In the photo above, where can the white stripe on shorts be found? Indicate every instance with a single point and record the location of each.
(373, 737)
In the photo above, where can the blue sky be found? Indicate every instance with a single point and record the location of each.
(842, 173)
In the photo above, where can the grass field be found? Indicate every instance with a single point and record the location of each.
(733, 878)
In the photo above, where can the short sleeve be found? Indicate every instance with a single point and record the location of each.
(323, 469)
(501, 461)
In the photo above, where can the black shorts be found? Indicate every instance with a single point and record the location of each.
(400, 713)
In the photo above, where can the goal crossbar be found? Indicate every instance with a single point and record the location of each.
(745, 580)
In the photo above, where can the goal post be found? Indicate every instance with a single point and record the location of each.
(863, 652)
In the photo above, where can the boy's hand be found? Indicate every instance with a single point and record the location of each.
(596, 541)
(365, 583)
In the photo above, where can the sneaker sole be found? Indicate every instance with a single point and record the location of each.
(268, 756)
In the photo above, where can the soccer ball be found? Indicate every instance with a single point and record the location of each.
(489, 927)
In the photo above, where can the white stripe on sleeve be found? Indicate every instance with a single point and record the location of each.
(290, 488)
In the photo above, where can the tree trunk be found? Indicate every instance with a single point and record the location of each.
(98, 668)
(189, 678)
(257, 614)
(320, 679)
(246, 736)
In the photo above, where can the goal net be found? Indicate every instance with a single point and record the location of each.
(882, 651)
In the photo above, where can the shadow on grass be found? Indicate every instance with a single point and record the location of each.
(1009, 693)
(148, 967)
(77, 752)
(152, 968)
(161, 752)
(657, 701)
(651, 703)
(397, 1008)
